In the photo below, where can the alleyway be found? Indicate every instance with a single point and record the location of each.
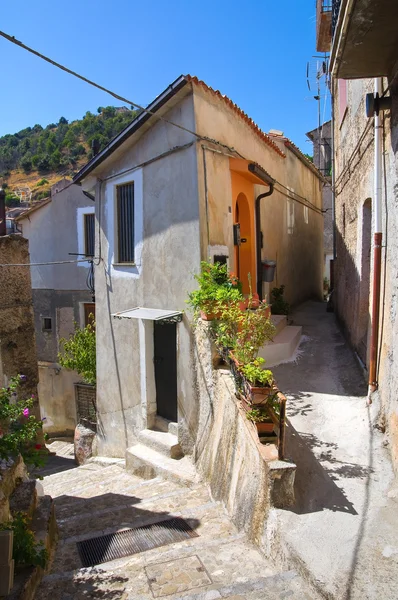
(343, 530)
(95, 499)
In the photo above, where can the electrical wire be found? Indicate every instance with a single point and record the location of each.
(44, 264)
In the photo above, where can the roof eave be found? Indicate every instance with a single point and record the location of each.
(142, 118)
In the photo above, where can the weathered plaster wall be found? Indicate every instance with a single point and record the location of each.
(17, 333)
(167, 254)
(56, 233)
(354, 143)
(226, 454)
(291, 236)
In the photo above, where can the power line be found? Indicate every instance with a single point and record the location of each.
(43, 264)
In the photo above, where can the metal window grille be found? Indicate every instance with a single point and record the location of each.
(89, 229)
(326, 5)
(335, 14)
(125, 222)
(86, 406)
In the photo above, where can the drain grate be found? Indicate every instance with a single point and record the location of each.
(132, 541)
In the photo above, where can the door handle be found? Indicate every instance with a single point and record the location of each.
(243, 240)
(157, 360)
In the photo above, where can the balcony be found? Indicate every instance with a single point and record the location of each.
(365, 38)
(323, 25)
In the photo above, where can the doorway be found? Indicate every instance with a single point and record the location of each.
(244, 250)
(165, 359)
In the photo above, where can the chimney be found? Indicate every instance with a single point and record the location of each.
(3, 224)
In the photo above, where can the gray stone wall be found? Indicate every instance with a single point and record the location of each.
(17, 332)
(354, 156)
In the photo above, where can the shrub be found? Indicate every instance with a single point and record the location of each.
(217, 288)
(79, 353)
(18, 428)
(26, 551)
(42, 182)
(279, 306)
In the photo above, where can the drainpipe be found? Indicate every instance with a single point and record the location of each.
(377, 240)
(259, 240)
(3, 222)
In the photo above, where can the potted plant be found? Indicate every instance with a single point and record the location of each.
(261, 420)
(217, 288)
(259, 380)
(79, 354)
(279, 306)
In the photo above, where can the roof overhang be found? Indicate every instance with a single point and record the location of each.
(251, 171)
(150, 314)
(159, 106)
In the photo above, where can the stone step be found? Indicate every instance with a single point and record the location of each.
(283, 347)
(147, 463)
(164, 442)
(279, 322)
(165, 425)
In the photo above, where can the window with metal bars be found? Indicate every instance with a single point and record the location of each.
(89, 228)
(125, 222)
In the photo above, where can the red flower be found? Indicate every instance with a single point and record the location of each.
(38, 446)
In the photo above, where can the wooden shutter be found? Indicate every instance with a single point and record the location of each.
(89, 228)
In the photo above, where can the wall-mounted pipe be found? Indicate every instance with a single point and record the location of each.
(261, 174)
(377, 241)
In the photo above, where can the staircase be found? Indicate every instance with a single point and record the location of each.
(217, 563)
(158, 453)
(285, 343)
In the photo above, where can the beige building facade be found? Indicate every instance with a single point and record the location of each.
(185, 192)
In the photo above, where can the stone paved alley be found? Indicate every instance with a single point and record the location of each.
(343, 530)
(219, 563)
(341, 535)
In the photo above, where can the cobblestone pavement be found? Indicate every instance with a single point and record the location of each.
(95, 498)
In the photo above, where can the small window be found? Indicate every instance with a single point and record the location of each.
(305, 214)
(125, 222)
(89, 313)
(89, 223)
(47, 324)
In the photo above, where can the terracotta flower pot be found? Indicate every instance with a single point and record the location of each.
(265, 427)
(259, 395)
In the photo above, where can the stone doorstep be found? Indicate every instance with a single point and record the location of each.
(162, 424)
(164, 442)
(148, 463)
(279, 322)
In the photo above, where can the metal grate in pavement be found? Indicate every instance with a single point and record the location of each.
(132, 541)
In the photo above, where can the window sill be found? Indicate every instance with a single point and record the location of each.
(124, 264)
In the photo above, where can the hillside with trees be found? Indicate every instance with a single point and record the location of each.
(38, 156)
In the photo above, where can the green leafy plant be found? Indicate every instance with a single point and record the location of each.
(255, 415)
(79, 352)
(255, 374)
(26, 551)
(217, 288)
(18, 427)
(279, 306)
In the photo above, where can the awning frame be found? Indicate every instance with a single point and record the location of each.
(161, 316)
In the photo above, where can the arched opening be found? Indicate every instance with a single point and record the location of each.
(244, 251)
(364, 284)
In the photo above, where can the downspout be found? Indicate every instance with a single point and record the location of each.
(333, 184)
(259, 239)
(377, 240)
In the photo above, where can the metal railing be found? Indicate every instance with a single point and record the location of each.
(335, 14)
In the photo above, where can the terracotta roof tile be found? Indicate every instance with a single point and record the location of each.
(265, 138)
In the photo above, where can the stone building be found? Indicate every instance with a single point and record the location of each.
(60, 229)
(166, 198)
(322, 141)
(363, 42)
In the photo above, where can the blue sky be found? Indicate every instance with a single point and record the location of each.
(254, 51)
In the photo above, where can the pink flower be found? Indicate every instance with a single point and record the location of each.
(26, 412)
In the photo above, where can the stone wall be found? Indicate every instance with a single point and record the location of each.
(242, 473)
(17, 333)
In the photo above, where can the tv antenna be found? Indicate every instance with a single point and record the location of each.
(318, 82)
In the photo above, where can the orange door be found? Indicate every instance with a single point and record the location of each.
(244, 252)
